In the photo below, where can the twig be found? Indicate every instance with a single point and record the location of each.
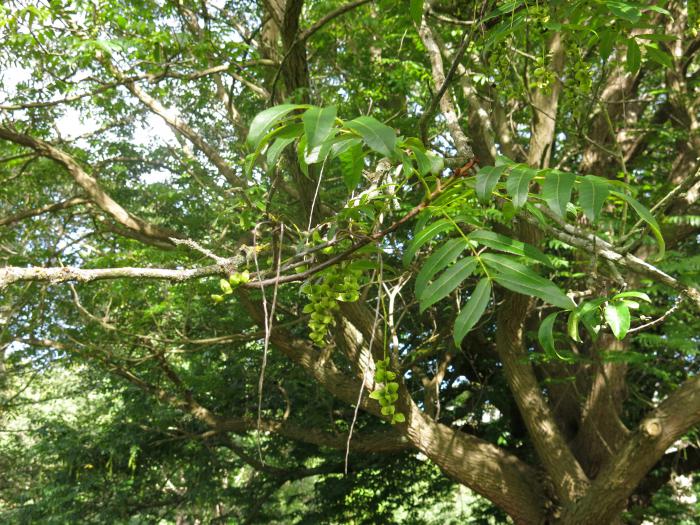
(658, 320)
(362, 386)
(268, 327)
(199, 248)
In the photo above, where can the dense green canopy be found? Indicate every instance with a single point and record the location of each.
(287, 261)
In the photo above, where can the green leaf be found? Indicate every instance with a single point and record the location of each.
(423, 236)
(658, 56)
(607, 42)
(545, 334)
(301, 156)
(556, 190)
(472, 310)
(521, 279)
(318, 153)
(636, 295)
(592, 193)
(398, 418)
(587, 313)
(447, 253)
(518, 184)
(657, 9)
(275, 150)
(352, 161)
(376, 394)
(647, 217)
(634, 56)
(388, 410)
(423, 162)
(617, 315)
(318, 124)
(291, 130)
(264, 120)
(572, 326)
(343, 145)
(380, 137)
(486, 180)
(506, 244)
(447, 282)
(416, 9)
(626, 11)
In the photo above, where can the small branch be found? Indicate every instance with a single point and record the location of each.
(151, 233)
(13, 274)
(199, 248)
(658, 320)
(308, 33)
(595, 245)
(49, 208)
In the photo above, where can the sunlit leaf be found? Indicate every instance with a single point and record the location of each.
(592, 193)
(447, 282)
(556, 190)
(486, 180)
(318, 124)
(518, 184)
(447, 253)
(521, 279)
(617, 315)
(472, 310)
(506, 244)
(380, 137)
(264, 120)
(352, 161)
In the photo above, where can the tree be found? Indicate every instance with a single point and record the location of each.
(370, 229)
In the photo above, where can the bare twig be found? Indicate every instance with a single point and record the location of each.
(49, 208)
(364, 378)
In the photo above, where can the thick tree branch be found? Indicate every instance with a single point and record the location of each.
(156, 235)
(481, 466)
(13, 274)
(619, 477)
(49, 208)
(446, 103)
(179, 126)
(568, 477)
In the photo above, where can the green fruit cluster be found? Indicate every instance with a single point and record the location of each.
(542, 76)
(581, 70)
(227, 286)
(337, 284)
(387, 394)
